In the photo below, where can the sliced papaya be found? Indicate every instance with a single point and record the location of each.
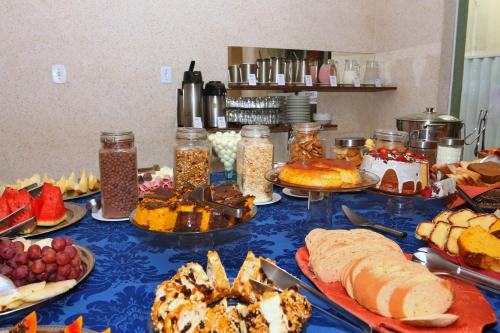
(107, 330)
(75, 327)
(27, 325)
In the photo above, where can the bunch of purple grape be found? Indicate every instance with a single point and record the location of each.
(57, 262)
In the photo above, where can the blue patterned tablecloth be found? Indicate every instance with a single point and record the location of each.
(131, 262)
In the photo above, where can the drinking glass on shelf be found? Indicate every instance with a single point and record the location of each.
(372, 72)
(351, 70)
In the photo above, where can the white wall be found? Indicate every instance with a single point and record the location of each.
(113, 51)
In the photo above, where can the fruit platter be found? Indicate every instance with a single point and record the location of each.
(71, 187)
(30, 325)
(40, 270)
(48, 209)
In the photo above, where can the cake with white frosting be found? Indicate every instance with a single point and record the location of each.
(399, 172)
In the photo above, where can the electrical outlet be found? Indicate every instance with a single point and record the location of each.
(59, 73)
(166, 75)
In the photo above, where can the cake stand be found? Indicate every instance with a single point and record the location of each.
(320, 213)
(400, 204)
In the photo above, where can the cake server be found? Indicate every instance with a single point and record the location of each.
(360, 221)
(440, 266)
(469, 200)
(17, 228)
(284, 280)
(203, 195)
(262, 288)
(4, 221)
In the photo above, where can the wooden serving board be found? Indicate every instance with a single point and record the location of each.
(473, 309)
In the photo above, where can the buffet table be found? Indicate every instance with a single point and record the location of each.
(130, 263)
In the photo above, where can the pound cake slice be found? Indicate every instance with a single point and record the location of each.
(478, 248)
(217, 275)
(484, 221)
(461, 218)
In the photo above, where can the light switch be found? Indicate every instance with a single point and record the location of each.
(59, 73)
(166, 75)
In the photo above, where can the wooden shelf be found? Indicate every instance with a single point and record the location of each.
(339, 88)
(274, 128)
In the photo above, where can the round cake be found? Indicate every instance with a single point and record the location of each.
(320, 172)
(399, 172)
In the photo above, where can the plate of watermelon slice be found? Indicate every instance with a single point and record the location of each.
(48, 208)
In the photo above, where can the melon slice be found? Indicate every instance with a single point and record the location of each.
(62, 184)
(52, 211)
(71, 183)
(83, 185)
(27, 325)
(93, 182)
(75, 327)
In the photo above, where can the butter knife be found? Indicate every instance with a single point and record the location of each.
(284, 280)
(360, 221)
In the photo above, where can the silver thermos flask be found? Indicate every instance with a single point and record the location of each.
(190, 111)
(215, 103)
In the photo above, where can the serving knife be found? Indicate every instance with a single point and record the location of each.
(469, 200)
(203, 195)
(262, 288)
(284, 280)
(17, 228)
(360, 221)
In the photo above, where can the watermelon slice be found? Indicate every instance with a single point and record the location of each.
(16, 201)
(52, 211)
(36, 206)
(27, 325)
(4, 207)
(76, 326)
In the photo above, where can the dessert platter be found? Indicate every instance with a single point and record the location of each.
(181, 303)
(48, 210)
(321, 175)
(177, 213)
(29, 324)
(465, 238)
(40, 270)
(370, 276)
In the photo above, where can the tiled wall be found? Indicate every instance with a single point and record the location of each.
(113, 51)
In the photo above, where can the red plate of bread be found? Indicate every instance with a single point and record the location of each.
(368, 275)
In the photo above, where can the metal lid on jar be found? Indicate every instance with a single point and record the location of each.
(390, 135)
(116, 136)
(191, 133)
(350, 142)
(430, 115)
(451, 142)
(255, 131)
(306, 127)
(423, 144)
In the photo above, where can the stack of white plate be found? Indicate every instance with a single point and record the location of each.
(298, 109)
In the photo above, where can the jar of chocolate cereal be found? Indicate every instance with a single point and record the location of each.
(304, 143)
(192, 157)
(254, 157)
(118, 169)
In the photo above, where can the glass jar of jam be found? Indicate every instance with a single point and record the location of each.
(304, 142)
(192, 157)
(254, 158)
(118, 169)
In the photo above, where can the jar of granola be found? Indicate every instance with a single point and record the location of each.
(304, 142)
(118, 170)
(350, 149)
(192, 157)
(254, 158)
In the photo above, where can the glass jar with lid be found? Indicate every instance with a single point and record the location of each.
(304, 143)
(425, 148)
(390, 139)
(192, 157)
(350, 149)
(254, 159)
(449, 150)
(118, 172)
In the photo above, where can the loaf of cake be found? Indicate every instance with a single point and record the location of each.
(489, 171)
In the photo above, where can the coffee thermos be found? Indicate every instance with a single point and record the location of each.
(190, 112)
(215, 103)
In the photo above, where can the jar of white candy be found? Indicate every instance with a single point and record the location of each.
(225, 145)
